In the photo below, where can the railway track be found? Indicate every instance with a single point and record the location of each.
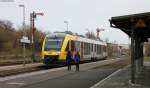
(10, 72)
(16, 71)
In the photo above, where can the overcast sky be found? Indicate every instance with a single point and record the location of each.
(81, 14)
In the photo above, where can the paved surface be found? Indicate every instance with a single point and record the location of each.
(144, 78)
(122, 79)
(60, 77)
(82, 79)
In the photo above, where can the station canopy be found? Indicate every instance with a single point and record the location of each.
(139, 22)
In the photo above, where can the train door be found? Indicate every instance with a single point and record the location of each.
(92, 52)
(95, 51)
(102, 50)
(72, 45)
(77, 46)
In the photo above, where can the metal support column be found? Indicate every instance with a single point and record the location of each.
(139, 56)
(140, 53)
(135, 54)
(132, 57)
(142, 44)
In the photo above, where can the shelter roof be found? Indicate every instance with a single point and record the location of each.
(138, 22)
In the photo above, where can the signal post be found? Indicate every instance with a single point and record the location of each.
(33, 16)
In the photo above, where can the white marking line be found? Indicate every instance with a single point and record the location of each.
(51, 70)
(15, 83)
(102, 81)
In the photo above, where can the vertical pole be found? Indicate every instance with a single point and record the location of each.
(31, 19)
(138, 53)
(24, 21)
(24, 34)
(67, 26)
(142, 53)
(24, 54)
(135, 54)
(140, 49)
(132, 57)
(33, 35)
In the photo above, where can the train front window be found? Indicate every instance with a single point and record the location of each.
(53, 44)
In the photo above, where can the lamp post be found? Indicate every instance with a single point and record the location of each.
(23, 27)
(23, 23)
(66, 22)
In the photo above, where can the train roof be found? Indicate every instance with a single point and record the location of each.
(83, 39)
(77, 38)
(56, 34)
(91, 41)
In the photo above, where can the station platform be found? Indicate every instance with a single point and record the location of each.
(121, 79)
(101, 74)
(89, 74)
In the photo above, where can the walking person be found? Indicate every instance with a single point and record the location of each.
(68, 60)
(77, 60)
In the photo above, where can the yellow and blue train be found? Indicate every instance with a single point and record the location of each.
(56, 45)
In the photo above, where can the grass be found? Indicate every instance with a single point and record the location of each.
(17, 60)
(111, 66)
(119, 64)
(147, 59)
(116, 65)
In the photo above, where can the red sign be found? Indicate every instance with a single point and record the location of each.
(39, 14)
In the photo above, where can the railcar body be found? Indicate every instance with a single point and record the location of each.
(56, 45)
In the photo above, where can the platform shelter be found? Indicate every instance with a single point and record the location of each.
(137, 26)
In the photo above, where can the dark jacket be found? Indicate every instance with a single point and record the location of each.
(68, 57)
(77, 58)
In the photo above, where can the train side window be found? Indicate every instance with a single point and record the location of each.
(86, 48)
(92, 47)
(77, 46)
(89, 48)
(100, 49)
(95, 47)
(104, 49)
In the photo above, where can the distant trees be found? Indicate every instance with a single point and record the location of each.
(10, 38)
(90, 35)
(7, 34)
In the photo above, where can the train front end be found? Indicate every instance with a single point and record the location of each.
(51, 50)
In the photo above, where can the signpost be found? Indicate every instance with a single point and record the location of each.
(24, 40)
